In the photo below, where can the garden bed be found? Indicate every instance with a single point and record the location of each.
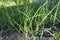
(14, 35)
(30, 21)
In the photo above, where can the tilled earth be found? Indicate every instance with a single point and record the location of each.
(14, 35)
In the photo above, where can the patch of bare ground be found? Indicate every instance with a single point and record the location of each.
(14, 35)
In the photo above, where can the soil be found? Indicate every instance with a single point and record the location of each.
(14, 35)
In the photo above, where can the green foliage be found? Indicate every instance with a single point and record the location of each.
(30, 18)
